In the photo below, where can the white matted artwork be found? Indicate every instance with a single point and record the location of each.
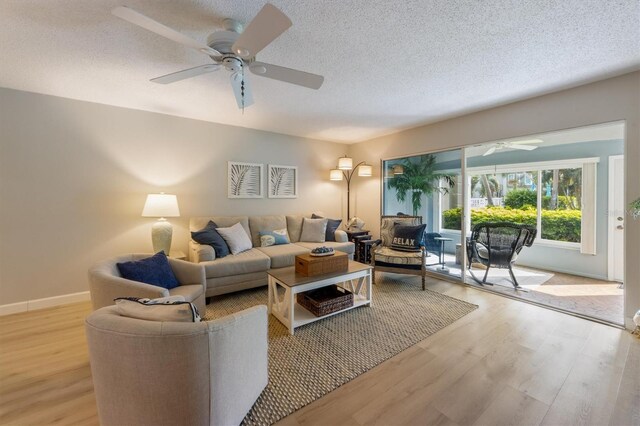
(244, 180)
(283, 181)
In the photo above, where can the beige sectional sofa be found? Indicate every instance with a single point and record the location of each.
(249, 269)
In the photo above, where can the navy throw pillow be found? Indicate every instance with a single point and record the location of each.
(332, 227)
(154, 270)
(208, 235)
(408, 237)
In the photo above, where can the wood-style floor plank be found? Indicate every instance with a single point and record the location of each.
(505, 363)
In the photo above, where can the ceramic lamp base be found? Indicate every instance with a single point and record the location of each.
(161, 234)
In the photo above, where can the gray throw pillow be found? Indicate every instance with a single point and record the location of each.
(236, 238)
(313, 230)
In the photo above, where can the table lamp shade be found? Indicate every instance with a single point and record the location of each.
(161, 205)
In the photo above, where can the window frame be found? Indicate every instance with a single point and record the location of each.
(538, 166)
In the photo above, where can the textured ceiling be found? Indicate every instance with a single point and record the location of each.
(388, 65)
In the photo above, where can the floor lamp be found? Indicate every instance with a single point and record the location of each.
(346, 170)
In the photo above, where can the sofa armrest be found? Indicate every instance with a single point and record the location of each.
(188, 273)
(238, 356)
(104, 288)
(341, 236)
(200, 252)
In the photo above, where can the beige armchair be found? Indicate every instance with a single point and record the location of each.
(106, 284)
(177, 373)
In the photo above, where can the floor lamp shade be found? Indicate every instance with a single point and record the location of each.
(161, 206)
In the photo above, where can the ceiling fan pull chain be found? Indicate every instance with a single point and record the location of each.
(242, 85)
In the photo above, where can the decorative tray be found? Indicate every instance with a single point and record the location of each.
(331, 253)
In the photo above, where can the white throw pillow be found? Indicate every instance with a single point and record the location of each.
(313, 230)
(236, 238)
(172, 308)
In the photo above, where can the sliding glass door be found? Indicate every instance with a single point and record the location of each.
(430, 186)
(565, 185)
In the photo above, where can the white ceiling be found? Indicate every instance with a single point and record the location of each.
(388, 65)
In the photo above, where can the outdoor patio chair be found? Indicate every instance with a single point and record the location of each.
(498, 245)
(386, 259)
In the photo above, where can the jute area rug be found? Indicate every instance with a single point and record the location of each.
(326, 354)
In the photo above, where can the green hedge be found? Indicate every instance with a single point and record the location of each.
(559, 225)
(521, 198)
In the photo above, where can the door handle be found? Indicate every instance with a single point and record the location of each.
(619, 227)
(620, 218)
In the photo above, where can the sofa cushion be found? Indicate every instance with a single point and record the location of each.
(236, 238)
(164, 309)
(259, 224)
(188, 292)
(346, 247)
(313, 230)
(390, 256)
(332, 227)
(243, 263)
(196, 223)
(153, 270)
(209, 236)
(274, 238)
(283, 255)
(294, 226)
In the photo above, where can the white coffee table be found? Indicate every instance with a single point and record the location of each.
(356, 279)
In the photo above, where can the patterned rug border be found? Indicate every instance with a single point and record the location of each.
(294, 384)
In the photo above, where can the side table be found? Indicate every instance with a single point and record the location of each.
(352, 234)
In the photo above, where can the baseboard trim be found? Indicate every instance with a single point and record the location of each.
(47, 302)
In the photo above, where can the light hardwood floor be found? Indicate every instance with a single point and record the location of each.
(506, 363)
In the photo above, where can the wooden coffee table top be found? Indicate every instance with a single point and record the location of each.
(288, 276)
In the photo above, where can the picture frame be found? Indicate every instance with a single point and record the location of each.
(282, 181)
(244, 180)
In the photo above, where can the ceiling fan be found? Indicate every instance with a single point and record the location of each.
(233, 49)
(522, 145)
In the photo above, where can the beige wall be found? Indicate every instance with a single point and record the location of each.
(74, 177)
(608, 100)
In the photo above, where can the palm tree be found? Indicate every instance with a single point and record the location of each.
(419, 178)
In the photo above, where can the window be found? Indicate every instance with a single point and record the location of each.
(552, 196)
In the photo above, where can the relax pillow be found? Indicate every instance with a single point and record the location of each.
(172, 308)
(313, 230)
(273, 238)
(332, 227)
(236, 238)
(209, 236)
(154, 270)
(408, 237)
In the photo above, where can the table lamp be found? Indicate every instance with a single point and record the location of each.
(161, 206)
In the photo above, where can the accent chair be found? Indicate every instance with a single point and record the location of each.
(498, 244)
(106, 283)
(177, 373)
(386, 259)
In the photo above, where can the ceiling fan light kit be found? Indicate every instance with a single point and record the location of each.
(233, 48)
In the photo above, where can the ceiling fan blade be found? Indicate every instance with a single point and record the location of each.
(527, 141)
(523, 147)
(147, 23)
(236, 84)
(288, 75)
(184, 74)
(489, 151)
(267, 25)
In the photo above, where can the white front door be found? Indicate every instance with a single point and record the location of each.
(616, 218)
